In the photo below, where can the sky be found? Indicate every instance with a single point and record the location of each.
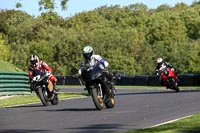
(76, 6)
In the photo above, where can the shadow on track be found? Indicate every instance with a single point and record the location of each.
(27, 106)
(74, 109)
(22, 131)
(99, 128)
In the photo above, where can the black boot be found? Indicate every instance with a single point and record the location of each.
(54, 92)
(107, 94)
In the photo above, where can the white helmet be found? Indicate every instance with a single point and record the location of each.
(159, 61)
(34, 60)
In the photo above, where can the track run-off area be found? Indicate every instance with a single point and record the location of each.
(134, 109)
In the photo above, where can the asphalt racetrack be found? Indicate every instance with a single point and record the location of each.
(134, 109)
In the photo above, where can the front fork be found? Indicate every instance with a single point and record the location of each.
(111, 88)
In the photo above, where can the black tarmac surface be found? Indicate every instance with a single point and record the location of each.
(134, 109)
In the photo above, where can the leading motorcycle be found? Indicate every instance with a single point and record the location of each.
(97, 79)
(169, 78)
(43, 87)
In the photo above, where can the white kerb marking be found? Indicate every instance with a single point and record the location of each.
(170, 121)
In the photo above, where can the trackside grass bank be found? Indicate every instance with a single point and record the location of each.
(7, 66)
(186, 125)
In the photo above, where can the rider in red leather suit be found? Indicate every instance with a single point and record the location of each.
(42, 66)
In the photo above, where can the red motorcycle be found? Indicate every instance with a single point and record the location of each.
(169, 78)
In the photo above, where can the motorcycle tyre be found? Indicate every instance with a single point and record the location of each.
(175, 85)
(55, 100)
(98, 101)
(43, 99)
(110, 103)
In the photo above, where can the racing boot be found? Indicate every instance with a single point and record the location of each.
(54, 92)
(107, 95)
(88, 90)
(88, 87)
(31, 88)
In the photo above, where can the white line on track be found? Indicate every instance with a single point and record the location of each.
(170, 121)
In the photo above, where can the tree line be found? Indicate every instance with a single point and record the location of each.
(130, 38)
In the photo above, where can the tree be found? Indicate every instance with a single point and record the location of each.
(18, 5)
(50, 4)
(4, 51)
(129, 38)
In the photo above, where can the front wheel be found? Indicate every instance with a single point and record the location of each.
(97, 96)
(43, 95)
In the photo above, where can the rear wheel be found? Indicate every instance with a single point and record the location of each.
(55, 100)
(97, 96)
(175, 85)
(111, 101)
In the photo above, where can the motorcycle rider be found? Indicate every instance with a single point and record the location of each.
(91, 59)
(160, 63)
(35, 63)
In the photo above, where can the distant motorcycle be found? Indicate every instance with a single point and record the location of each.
(42, 86)
(169, 78)
(96, 76)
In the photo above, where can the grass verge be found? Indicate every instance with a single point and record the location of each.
(27, 99)
(186, 125)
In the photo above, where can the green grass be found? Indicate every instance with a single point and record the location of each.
(6, 66)
(186, 125)
(27, 99)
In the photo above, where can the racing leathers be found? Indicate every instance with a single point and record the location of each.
(91, 62)
(167, 64)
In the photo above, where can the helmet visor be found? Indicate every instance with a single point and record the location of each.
(34, 62)
(87, 56)
(160, 63)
